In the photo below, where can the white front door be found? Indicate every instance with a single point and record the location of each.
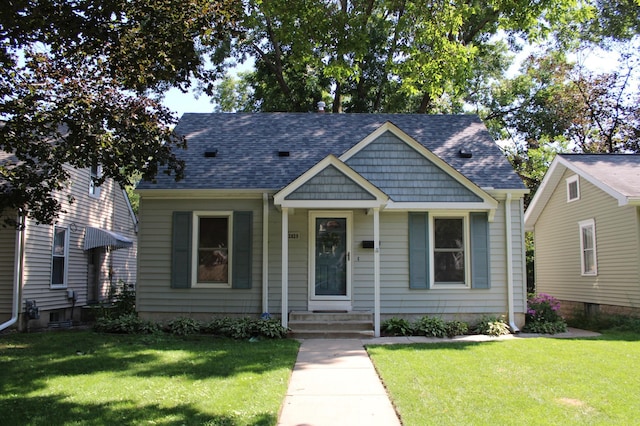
(330, 260)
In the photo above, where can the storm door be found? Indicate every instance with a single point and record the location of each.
(330, 259)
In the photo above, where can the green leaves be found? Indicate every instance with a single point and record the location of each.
(81, 90)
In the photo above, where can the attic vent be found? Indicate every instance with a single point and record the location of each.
(211, 153)
(283, 153)
(465, 152)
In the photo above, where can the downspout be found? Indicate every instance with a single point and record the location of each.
(285, 267)
(509, 247)
(265, 253)
(17, 272)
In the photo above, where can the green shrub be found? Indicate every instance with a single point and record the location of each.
(271, 328)
(396, 327)
(125, 324)
(183, 326)
(244, 328)
(218, 327)
(492, 326)
(604, 322)
(457, 328)
(430, 326)
(542, 315)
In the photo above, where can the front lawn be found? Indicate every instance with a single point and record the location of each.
(541, 381)
(87, 378)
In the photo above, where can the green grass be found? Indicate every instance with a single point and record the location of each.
(540, 381)
(85, 378)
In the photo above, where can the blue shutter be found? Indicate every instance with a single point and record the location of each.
(181, 250)
(419, 250)
(480, 262)
(241, 258)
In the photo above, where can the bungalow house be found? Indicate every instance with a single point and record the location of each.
(377, 215)
(586, 222)
(49, 272)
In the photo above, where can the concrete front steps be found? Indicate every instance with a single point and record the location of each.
(331, 325)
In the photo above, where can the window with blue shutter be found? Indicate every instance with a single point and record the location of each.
(480, 262)
(419, 272)
(241, 256)
(181, 250)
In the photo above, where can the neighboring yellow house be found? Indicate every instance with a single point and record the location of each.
(60, 268)
(586, 222)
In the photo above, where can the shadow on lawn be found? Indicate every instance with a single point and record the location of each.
(38, 411)
(30, 362)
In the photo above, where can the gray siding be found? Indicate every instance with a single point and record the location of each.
(330, 184)
(405, 175)
(154, 293)
(396, 297)
(557, 243)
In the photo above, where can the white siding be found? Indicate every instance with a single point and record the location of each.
(109, 211)
(557, 243)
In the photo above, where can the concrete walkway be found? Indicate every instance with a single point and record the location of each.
(334, 382)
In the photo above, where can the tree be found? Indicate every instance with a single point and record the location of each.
(78, 89)
(382, 55)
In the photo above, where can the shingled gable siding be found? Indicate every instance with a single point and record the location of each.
(405, 175)
(330, 184)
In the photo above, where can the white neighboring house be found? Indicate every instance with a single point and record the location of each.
(60, 268)
(586, 222)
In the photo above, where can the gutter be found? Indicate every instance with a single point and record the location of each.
(17, 272)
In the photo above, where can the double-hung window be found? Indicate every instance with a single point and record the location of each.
(59, 257)
(588, 258)
(212, 240)
(449, 251)
(95, 173)
(573, 188)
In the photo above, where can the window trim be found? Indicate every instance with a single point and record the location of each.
(466, 248)
(194, 247)
(582, 225)
(570, 180)
(65, 274)
(94, 190)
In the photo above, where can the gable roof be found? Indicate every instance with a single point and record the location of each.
(616, 174)
(247, 147)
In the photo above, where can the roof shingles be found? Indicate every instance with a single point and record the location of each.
(248, 146)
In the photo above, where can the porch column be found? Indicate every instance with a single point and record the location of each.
(285, 266)
(376, 272)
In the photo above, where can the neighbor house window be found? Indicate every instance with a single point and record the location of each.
(449, 250)
(573, 188)
(588, 260)
(94, 174)
(212, 239)
(59, 257)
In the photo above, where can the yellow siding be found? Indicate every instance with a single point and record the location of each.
(557, 242)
